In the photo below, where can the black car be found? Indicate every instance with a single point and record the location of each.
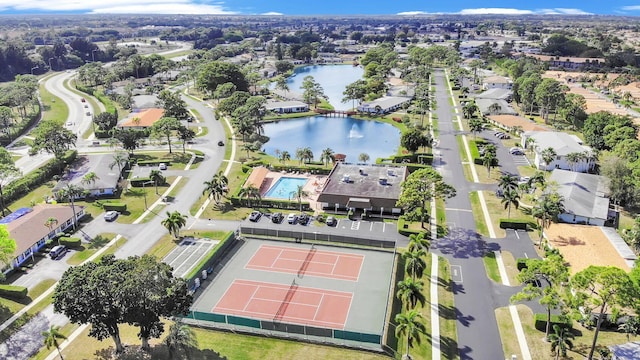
(277, 218)
(303, 219)
(220, 143)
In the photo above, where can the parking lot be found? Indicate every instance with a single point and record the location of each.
(520, 160)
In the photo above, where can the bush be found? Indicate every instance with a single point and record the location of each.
(518, 224)
(116, 206)
(540, 321)
(13, 292)
(70, 242)
(521, 263)
(478, 161)
(152, 162)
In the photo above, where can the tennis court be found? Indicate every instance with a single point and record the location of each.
(311, 262)
(266, 286)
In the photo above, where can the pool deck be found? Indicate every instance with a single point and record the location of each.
(312, 187)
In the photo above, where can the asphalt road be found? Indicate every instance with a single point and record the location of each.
(476, 296)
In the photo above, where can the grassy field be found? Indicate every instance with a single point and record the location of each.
(86, 250)
(9, 307)
(481, 226)
(497, 212)
(53, 107)
(491, 266)
(448, 332)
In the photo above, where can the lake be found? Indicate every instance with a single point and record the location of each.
(333, 78)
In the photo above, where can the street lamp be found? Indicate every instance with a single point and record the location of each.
(144, 192)
(50, 68)
(93, 56)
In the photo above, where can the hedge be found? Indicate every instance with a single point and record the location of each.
(417, 158)
(540, 321)
(13, 292)
(70, 242)
(521, 264)
(152, 162)
(116, 206)
(518, 224)
(478, 161)
(23, 185)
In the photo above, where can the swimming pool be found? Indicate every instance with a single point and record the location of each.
(284, 187)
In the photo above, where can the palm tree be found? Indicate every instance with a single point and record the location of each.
(364, 157)
(548, 155)
(469, 109)
(510, 197)
(307, 155)
(476, 125)
(180, 336)
(410, 325)
(530, 143)
(71, 192)
(50, 222)
(284, 156)
(573, 159)
(537, 178)
(300, 155)
(561, 340)
(488, 160)
(419, 242)
(495, 108)
(508, 182)
(546, 209)
(410, 291)
(120, 158)
(90, 178)
(250, 192)
(326, 156)
(281, 83)
(298, 194)
(216, 187)
(51, 338)
(174, 222)
(157, 178)
(414, 262)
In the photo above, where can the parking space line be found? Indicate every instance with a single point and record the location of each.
(355, 225)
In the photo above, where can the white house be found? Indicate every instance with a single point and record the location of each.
(286, 107)
(497, 82)
(563, 144)
(586, 198)
(384, 105)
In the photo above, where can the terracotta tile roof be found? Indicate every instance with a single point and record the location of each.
(257, 177)
(30, 228)
(147, 118)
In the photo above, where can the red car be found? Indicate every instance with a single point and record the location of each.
(83, 100)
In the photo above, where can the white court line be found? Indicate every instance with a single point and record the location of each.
(184, 250)
(251, 298)
(318, 307)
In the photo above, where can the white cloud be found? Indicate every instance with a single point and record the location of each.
(410, 13)
(568, 11)
(496, 11)
(272, 13)
(117, 6)
(631, 8)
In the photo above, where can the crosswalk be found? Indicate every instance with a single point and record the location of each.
(520, 160)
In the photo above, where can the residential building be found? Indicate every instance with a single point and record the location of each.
(31, 228)
(142, 119)
(496, 94)
(106, 180)
(569, 63)
(384, 105)
(497, 82)
(372, 189)
(565, 147)
(586, 198)
(286, 107)
(495, 107)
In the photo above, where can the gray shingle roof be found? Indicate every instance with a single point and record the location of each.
(561, 142)
(580, 192)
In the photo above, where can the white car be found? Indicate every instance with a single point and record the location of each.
(110, 215)
(162, 166)
(292, 218)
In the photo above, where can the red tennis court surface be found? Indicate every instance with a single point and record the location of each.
(333, 265)
(284, 303)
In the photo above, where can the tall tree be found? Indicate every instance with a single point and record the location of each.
(476, 125)
(326, 156)
(299, 194)
(185, 134)
(53, 138)
(414, 263)
(174, 222)
(548, 156)
(180, 336)
(420, 188)
(120, 159)
(508, 182)
(71, 193)
(312, 91)
(90, 178)
(419, 242)
(602, 290)
(414, 139)
(165, 127)
(173, 105)
(216, 187)
(249, 192)
(157, 178)
(410, 325)
(51, 338)
(546, 210)
(8, 173)
(510, 197)
(411, 292)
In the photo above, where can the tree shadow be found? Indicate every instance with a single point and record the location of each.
(447, 312)
(463, 243)
(98, 242)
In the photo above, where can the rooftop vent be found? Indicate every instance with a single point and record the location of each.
(346, 178)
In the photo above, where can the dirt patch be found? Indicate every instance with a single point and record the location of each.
(584, 245)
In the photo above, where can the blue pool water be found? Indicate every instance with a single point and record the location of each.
(284, 187)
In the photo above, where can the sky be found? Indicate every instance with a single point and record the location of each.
(323, 7)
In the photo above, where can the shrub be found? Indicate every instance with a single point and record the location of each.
(152, 162)
(70, 242)
(521, 263)
(116, 206)
(540, 321)
(13, 292)
(518, 224)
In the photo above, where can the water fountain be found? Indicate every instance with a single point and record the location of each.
(354, 133)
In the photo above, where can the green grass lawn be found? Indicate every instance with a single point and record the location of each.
(86, 250)
(448, 332)
(53, 107)
(481, 226)
(491, 266)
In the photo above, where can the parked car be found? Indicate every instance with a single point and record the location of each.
(220, 143)
(162, 166)
(332, 221)
(57, 251)
(111, 215)
(516, 152)
(86, 106)
(88, 113)
(277, 218)
(255, 216)
(292, 218)
(303, 219)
